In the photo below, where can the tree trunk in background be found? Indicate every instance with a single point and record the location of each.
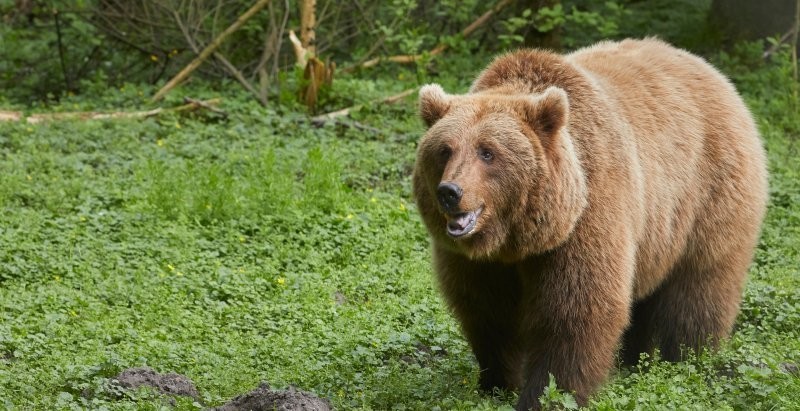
(308, 21)
(533, 37)
(752, 20)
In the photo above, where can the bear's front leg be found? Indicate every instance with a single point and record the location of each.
(485, 299)
(575, 316)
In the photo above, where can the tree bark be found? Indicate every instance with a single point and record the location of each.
(308, 22)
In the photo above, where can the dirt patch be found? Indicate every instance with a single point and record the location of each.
(265, 399)
(169, 384)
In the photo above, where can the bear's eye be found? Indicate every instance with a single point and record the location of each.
(445, 152)
(485, 155)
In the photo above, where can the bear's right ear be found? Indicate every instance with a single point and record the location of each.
(547, 113)
(433, 103)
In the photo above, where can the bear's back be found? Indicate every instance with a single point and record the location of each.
(697, 147)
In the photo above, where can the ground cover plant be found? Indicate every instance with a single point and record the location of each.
(262, 248)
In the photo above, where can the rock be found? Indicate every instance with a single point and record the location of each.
(265, 399)
(169, 384)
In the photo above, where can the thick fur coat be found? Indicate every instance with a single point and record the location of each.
(580, 203)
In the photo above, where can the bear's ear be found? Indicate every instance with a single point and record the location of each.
(433, 103)
(547, 112)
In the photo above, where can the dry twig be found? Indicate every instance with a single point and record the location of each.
(210, 49)
(210, 105)
(324, 118)
(773, 48)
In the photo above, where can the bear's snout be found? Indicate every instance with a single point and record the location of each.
(449, 195)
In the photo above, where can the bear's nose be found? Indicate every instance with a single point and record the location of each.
(449, 194)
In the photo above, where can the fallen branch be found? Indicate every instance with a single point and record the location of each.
(191, 105)
(10, 115)
(408, 58)
(332, 116)
(209, 105)
(209, 50)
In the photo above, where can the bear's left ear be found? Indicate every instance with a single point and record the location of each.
(547, 113)
(433, 103)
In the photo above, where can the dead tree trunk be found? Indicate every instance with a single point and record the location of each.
(308, 22)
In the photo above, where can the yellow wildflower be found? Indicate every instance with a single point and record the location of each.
(280, 281)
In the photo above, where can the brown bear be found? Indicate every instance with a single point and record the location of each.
(611, 197)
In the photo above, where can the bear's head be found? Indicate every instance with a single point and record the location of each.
(496, 175)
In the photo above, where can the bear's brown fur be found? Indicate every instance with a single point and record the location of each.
(610, 197)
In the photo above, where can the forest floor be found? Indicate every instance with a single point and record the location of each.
(260, 248)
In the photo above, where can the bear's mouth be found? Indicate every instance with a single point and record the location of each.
(461, 224)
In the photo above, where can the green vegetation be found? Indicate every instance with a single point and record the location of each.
(259, 247)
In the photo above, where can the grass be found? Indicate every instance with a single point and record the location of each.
(260, 248)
